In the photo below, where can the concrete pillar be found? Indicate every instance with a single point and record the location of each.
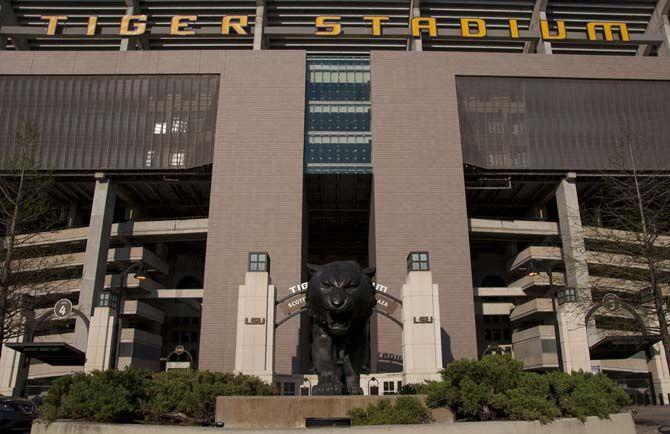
(658, 23)
(539, 13)
(259, 37)
(13, 371)
(544, 47)
(658, 368)
(254, 352)
(133, 42)
(95, 258)
(572, 327)
(100, 340)
(139, 349)
(421, 334)
(414, 44)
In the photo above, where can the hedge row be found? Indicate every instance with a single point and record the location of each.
(497, 387)
(406, 410)
(183, 396)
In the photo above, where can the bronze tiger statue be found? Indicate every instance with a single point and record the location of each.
(340, 299)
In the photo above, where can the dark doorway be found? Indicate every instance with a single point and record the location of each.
(337, 217)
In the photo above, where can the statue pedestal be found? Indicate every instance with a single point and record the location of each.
(291, 411)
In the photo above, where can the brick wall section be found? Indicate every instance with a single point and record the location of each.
(418, 181)
(419, 193)
(256, 196)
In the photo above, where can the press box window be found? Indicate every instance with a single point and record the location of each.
(259, 261)
(417, 261)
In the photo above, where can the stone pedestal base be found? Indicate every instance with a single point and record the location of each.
(291, 411)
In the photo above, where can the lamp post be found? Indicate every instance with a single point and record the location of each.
(140, 274)
(547, 266)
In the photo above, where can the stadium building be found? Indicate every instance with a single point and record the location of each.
(206, 151)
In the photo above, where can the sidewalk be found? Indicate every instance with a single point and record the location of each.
(651, 419)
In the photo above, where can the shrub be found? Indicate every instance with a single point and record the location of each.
(497, 387)
(414, 388)
(407, 410)
(109, 396)
(530, 400)
(193, 394)
(132, 395)
(580, 394)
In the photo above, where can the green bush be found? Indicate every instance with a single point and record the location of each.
(407, 410)
(414, 388)
(109, 396)
(131, 395)
(497, 387)
(580, 394)
(193, 393)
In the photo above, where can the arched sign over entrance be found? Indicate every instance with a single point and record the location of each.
(631, 343)
(612, 302)
(295, 302)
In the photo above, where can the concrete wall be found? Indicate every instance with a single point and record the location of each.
(617, 424)
(281, 412)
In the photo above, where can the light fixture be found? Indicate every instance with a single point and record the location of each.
(532, 271)
(141, 273)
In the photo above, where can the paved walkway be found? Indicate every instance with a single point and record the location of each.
(652, 419)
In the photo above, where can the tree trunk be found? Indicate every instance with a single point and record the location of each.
(10, 238)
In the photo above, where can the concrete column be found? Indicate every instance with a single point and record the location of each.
(421, 334)
(100, 340)
(13, 372)
(414, 44)
(254, 352)
(259, 37)
(95, 258)
(658, 23)
(134, 42)
(659, 372)
(128, 43)
(539, 13)
(543, 47)
(139, 349)
(572, 327)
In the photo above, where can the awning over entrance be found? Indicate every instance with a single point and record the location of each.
(51, 353)
(621, 347)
